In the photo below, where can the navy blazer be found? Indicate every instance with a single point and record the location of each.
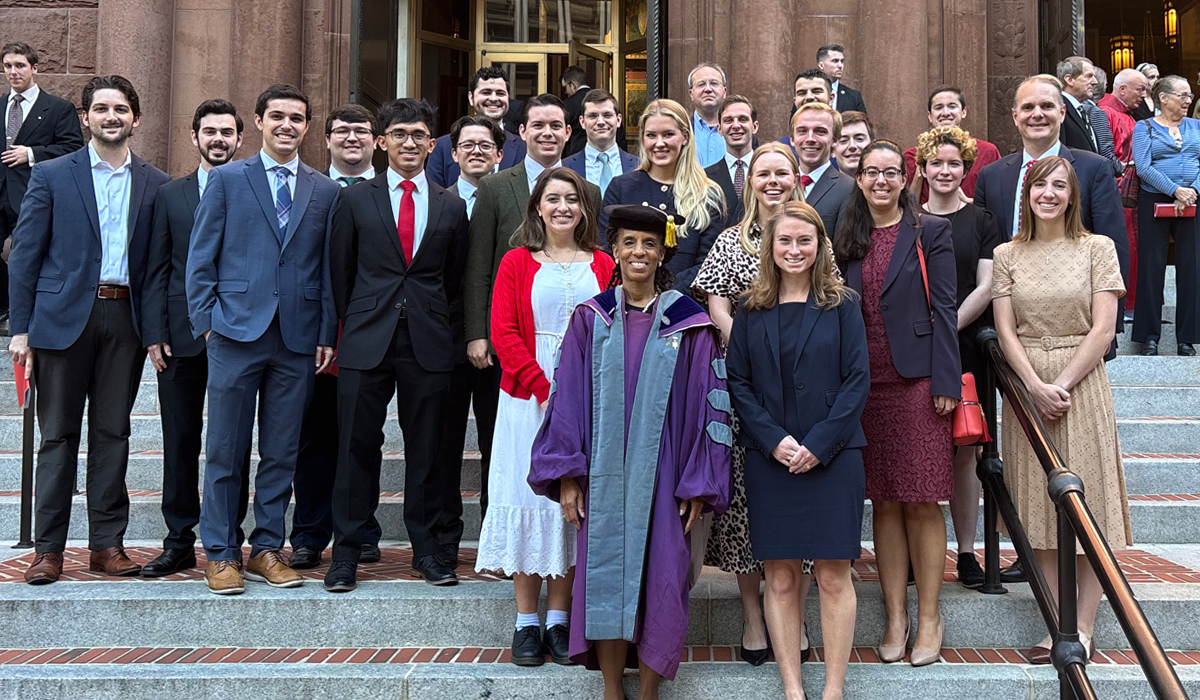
(164, 306)
(578, 163)
(923, 344)
(734, 208)
(832, 379)
(239, 275)
(850, 100)
(442, 171)
(54, 266)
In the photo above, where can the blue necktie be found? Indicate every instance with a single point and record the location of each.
(605, 172)
(283, 198)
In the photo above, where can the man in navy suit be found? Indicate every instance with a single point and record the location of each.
(489, 97)
(831, 60)
(179, 358)
(601, 159)
(258, 290)
(35, 126)
(738, 123)
(77, 267)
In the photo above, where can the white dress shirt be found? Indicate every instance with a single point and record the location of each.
(420, 199)
(593, 167)
(466, 192)
(202, 179)
(1025, 159)
(816, 177)
(334, 174)
(731, 162)
(114, 187)
(534, 168)
(834, 87)
(293, 165)
(30, 96)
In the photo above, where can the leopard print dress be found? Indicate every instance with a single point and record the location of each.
(728, 271)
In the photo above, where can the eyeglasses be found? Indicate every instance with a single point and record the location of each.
(482, 146)
(890, 174)
(344, 132)
(1185, 96)
(418, 137)
(714, 84)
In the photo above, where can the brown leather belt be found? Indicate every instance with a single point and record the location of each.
(112, 291)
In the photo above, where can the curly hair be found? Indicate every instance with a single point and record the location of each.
(929, 142)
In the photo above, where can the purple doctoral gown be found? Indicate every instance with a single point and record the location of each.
(693, 462)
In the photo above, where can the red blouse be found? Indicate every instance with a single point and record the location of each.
(513, 332)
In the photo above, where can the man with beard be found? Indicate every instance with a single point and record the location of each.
(857, 133)
(738, 125)
(76, 281)
(489, 97)
(258, 291)
(180, 359)
(948, 107)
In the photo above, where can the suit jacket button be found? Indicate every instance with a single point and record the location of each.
(399, 306)
(883, 307)
(91, 287)
(275, 293)
(281, 263)
(800, 385)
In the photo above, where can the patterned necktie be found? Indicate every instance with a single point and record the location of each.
(739, 178)
(348, 180)
(605, 172)
(283, 198)
(406, 225)
(805, 181)
(15, 120)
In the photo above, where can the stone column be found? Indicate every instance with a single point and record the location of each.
(267, 48)
(893, 47)
(135, 40)
(203, 35)
(758, 64)
(326, 68)
(1012, 56)
(965, 57)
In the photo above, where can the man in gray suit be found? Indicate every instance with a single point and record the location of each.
(815, 128)
(258, 290)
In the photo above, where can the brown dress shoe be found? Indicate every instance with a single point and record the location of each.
(224, 577)
(46, 568)
(112, 561)
(268, 567)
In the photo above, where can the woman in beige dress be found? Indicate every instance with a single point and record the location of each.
(1055, 289)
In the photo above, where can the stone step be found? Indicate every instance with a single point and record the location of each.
(480, 614)
(145, 472)
(1148, 435)
(712, 680)
(1163, 370)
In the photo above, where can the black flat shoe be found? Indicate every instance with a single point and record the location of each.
(342, 576)
(970, 574)
(171, 561)
(1186, 350)
(1150, 347)
(557, 643)
(527, 646)
(305, 557)
(805, 651)
(370, 554)
(754, 657)
(435, 572)
(449, 554)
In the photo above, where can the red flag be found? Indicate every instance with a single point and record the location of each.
(22, 385)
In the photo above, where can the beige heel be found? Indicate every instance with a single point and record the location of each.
(889, 654)
(924, 657)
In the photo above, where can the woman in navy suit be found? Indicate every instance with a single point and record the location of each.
(916, 382)
(798, 379)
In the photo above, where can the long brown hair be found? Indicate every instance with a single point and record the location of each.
(825, 286)
(531, 233)
(852, 240)
(1039, 172)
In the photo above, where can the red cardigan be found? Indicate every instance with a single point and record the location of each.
(512, 321)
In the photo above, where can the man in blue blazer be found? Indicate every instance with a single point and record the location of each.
(76, 272)
(600, 160)
(738, 120)
(258, 290)
(488, 96)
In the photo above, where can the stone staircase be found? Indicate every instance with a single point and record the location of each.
(92, 637)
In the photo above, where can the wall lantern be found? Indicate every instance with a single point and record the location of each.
(1170, 23)
(1121, 48)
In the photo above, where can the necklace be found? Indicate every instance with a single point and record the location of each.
(644, 309)
(565, 266)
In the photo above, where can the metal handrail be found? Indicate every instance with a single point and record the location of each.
(1075, 521)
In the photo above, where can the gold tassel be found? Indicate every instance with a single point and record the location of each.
(670, 236)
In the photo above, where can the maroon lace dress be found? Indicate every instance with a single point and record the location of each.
(909, 449)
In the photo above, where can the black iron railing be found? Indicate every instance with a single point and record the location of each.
(1075, 522)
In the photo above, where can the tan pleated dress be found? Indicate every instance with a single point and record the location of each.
(1051, 286)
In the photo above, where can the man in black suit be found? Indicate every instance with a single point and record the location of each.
(738, 123)
(488, 96)
(575, 89)
(1078, 77)
(181, 360)
(397, 250)
(350, 133)
(831, 60)
(815, 128)
(37, 126)
(78, 267)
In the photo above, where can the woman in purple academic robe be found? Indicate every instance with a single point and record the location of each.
(635, 447)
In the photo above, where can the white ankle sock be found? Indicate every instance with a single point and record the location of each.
(557, 617)
(527, 620)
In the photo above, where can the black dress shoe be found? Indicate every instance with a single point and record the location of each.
(370, 554)
(171, 561)
(1013, 574)
(434, 571)
(970, 574)
(557, 643)
(527, 646)
(305, 557)
(449, 554)
(754, 657)
(1150, 347)
(1186, 350)
(342, 576)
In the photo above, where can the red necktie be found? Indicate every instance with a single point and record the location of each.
(406, 225)
(805, 181)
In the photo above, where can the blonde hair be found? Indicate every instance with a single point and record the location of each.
(826, 285)
(1039, 172)
(751, 202)
(819, 107)
(929, 142)
(696, 196)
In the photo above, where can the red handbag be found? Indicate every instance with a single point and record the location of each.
(969, 425)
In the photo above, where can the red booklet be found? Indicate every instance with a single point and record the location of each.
(1167, 211)
(22, 385)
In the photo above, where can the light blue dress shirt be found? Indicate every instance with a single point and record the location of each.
(466, 192)
(710, 145)
(420, 200)
(114, 187)
(533, 169)
(293, 165)
(593, 167)
(202, 179)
